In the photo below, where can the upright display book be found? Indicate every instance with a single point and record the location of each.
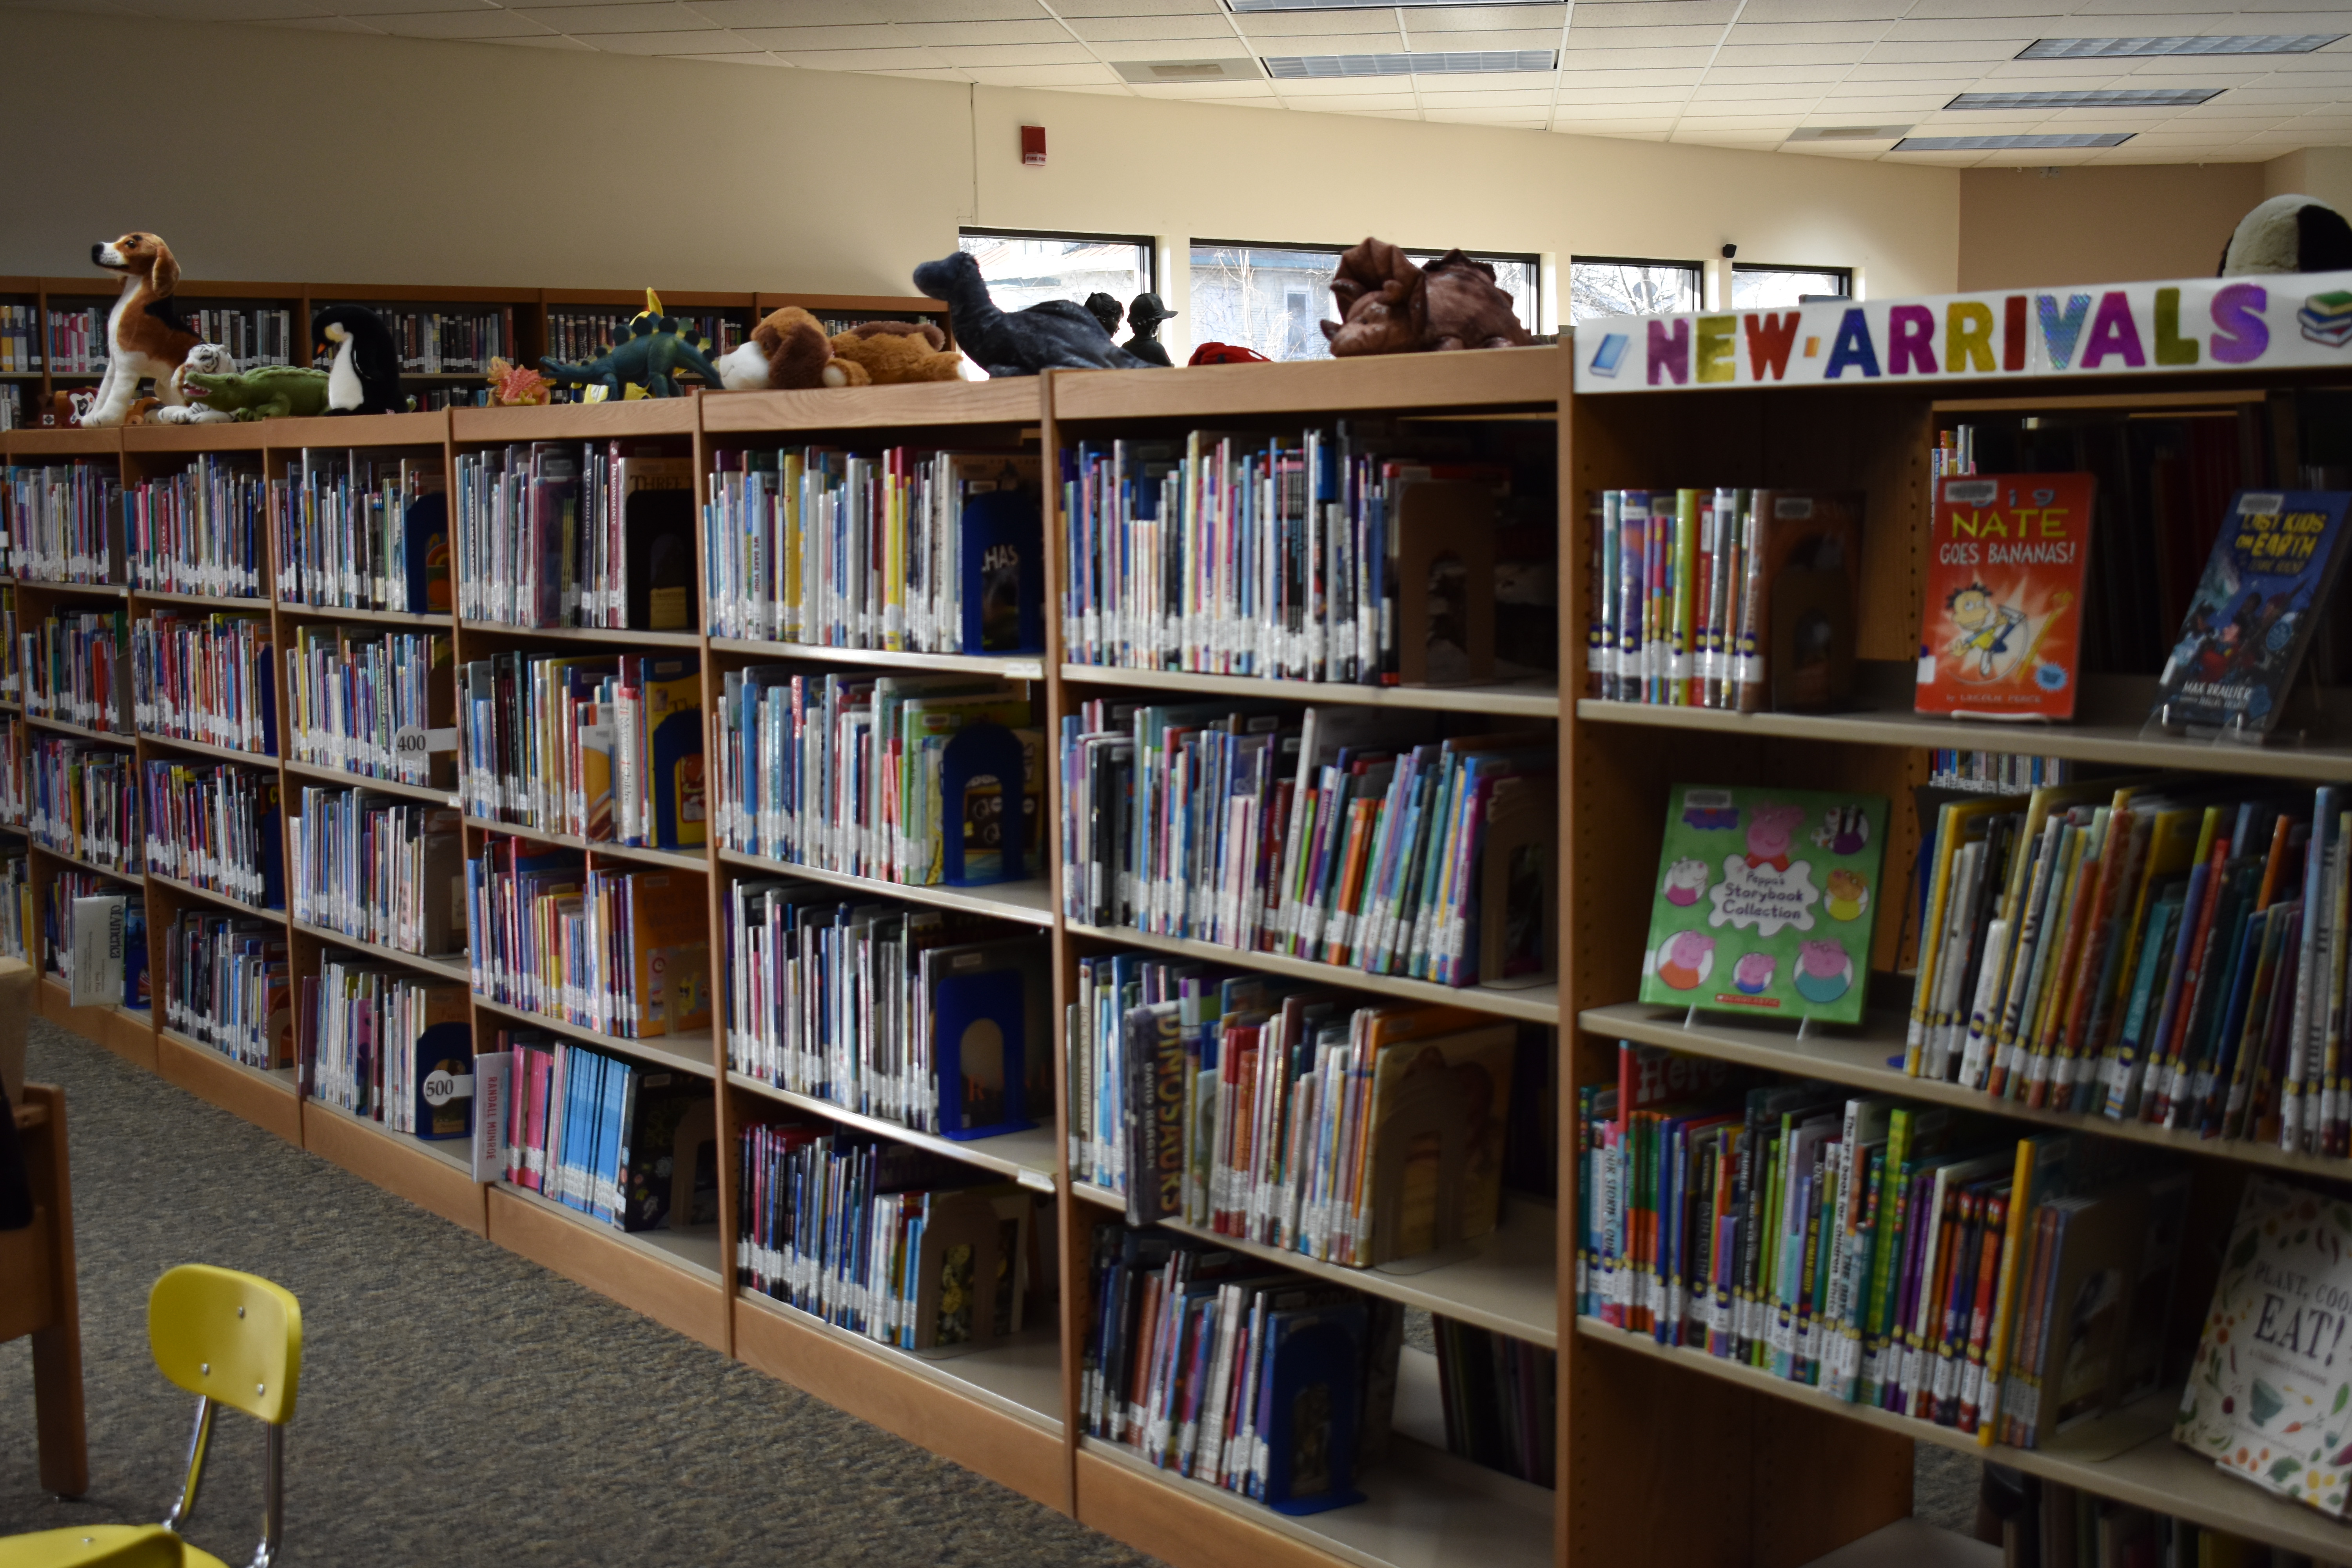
(1764, 901)
(2006, 554)
(2265, 587)
(2268, 1395)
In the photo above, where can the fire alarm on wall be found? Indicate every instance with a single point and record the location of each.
(1033, 146)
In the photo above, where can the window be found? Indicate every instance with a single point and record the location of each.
(1272, 298)
(1025, 269)
(1769, 288)
(1602, 286)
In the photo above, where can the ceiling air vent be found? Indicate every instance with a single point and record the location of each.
(1175, 73)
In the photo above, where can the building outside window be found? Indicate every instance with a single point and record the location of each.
(1025, 269)
(1601, 286)
(1272, 298)
(1770, 288)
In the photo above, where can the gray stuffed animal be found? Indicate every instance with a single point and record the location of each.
(1058, 334)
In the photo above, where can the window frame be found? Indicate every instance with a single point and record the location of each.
(1696, 270)
(1419, 256)
(1843, 274)
(1148, 244)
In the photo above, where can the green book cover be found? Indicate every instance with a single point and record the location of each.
(1764, 901)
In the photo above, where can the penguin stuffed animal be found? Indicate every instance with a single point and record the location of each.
(2289, 234)
(363, 377)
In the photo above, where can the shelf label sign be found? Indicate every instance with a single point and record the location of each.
(2274, 321)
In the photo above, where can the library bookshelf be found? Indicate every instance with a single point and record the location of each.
(1787, 1474)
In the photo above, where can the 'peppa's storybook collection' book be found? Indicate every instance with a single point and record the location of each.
(1764, 901)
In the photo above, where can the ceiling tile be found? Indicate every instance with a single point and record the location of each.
(1069, 10)
(461, 25)
(1930, 10)
(1501, 97)
(1583, 38)
(1821, 76)
(1330, 44)
(1042, 30)
(757, 14)
(1599, 98)
(1803, 34)
(1225, 47)
(1421, 43)
(876, 35)
(718, 41)
(1571, 77)
(1046, 75)
(1315, 24)
(746, 57)
(1129, 28)
(646, 17)
(1517, 117)
(322, 25)
(1805, 55)
(1479, 18)
(844, 60)
(958, 10)
(232, 10)
(1657, 13)
(971, 57)
(548, 41)
(1203, 91)
(1345, 102)
(1634, 59)
(1714, 91)
(1765, 11)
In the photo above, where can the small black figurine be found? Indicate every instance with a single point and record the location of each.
(1105, 309)
(1144, 315)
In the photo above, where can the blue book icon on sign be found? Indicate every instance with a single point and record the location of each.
(1609, 354)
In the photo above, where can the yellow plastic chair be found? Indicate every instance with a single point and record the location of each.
(229, 1338)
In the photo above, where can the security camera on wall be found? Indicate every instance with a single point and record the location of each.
(1729, 251)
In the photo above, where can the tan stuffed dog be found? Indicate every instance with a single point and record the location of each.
(787, 352)
(886, 353)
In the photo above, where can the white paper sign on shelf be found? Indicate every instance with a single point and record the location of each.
(2204, 324)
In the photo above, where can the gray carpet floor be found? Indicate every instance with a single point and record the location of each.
(461, 1405)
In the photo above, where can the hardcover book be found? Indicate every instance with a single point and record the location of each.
(1765, 901)
(2268, 1393)
(2265, 590)
(2004, 605)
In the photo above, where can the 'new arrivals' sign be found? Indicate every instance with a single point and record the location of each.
(2213, 324)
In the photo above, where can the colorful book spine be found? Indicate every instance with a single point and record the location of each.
(200, 530)
(208, 678)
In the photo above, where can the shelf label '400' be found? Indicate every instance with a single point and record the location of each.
(2278, 322)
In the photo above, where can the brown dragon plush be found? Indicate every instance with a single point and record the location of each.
(1389, 306)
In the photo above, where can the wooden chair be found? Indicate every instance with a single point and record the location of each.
(37, 1295)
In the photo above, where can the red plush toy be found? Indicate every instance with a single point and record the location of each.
(1389, 306)
(1225, 354)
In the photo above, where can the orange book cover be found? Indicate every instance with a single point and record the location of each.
(2004, 605)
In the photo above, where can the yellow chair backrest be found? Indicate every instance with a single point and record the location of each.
(95, 1546)
(235, 1337)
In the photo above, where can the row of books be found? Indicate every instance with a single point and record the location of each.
(385, 870)
(358, 532)
(361, 699)
(16, 793)
(1207, 1363)
(1501, 1397)
(914, 1015)
(225, 986)
(562, 533)
(374, 1034)
(900, 778)
(1269, 556)
(2172, 952)
(2045, 1523)
(206, 678)
(216, 826)
(1996, 772)
(635, 1147)
(82, 800)
(11, 649)
(256, 336)
(20, 920)
(12, 407)
(106, 924)
(932, 552)
(1354, 837)
(199, 531)
(1875, 1249)
(75, 668)
(607, 747)
(1735, 599)
(1268, 1109)
(623, 953)
(446, 343)
(20, 340)
(61, 522)
(1955, 451)
(901, 1245)
(78, 341)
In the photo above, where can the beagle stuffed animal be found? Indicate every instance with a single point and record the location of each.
(145, 338)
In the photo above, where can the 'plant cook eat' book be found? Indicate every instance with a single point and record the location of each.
(1764, 901)
(2270, 1394)
(2006, 554)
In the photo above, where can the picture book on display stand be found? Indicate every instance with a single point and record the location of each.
(2004, 601)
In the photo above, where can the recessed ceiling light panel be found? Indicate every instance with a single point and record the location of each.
(2005, 143)
(2112, 48)
(1465, 62)
(1175, 73)
(2123, 98)
(1848, 132)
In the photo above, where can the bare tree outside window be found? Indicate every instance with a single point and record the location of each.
(1025, 269)
(1770, 288)
(1271, 298)
(1610, 286)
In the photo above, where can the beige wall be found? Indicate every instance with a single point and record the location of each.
(392, 160)
(2019, 229)
(2324, 172)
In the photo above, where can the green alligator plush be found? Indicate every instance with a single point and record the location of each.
(648, 354)
(268, 392)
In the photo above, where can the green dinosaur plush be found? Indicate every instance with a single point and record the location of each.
(270, 392)
(649, 353)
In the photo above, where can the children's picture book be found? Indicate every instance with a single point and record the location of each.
(1765, 901)
(2004, 608)
(2265, 587)
(2268, 1393)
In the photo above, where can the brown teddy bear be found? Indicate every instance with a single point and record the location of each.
(1389, 306)
(787, 352)
(886, 353)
